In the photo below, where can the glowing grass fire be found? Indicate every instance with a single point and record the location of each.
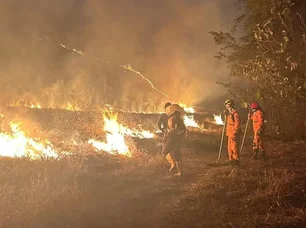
(71, 107)
(218, 119)
(17, 144)
(25, 104)
(115, 136)
(189, 119)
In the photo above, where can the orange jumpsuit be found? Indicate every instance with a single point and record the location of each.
(258, 121)
(233, 131)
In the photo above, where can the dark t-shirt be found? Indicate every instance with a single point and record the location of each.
(163, 122)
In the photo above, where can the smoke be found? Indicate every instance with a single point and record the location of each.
(167, 41)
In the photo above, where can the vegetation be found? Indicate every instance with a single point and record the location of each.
(270, 61)
(115, 191)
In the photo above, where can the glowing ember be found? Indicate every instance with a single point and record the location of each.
(189, 120)
(115, 137)
(72, 107)
(17, 144)
(218, 119)
(25, 104)
(187, 109)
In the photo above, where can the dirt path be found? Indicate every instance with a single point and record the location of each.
(143, 199)
(154, 198)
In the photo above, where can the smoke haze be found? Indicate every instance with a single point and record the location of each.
(167, 41)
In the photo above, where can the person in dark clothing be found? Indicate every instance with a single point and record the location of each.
(172, 143)
(163, 120)
(162, 126)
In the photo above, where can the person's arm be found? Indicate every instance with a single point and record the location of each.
(159, 124)
(237, 122)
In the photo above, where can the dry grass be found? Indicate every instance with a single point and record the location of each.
(258, 194)
(116, 191)
(60, 193)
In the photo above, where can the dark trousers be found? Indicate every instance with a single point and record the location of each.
(172, 145)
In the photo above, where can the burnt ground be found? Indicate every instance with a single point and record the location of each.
(114, 191)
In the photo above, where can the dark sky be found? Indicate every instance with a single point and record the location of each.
(166, 40)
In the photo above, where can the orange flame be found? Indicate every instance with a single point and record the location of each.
(218, 119)
(71, 107)
(25, 104)
(17, 144)
(115, 137)
(189, 120)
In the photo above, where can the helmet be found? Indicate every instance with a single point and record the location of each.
(254, 105)
(167, 104)
(229, 101)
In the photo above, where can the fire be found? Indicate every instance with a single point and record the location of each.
(115, 136)
(25, 104)
(218, 119)
(186, 108)
(189, 120)
(72, 107)
(17, 144)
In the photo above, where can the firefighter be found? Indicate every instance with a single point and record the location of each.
(176, 131)
(233, 131)
(257, 116)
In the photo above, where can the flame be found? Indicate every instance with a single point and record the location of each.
(115, 136)
(25, 104)
(189, 120)
(186, 108)
(17, 144)
(218, 119)
(72, 107)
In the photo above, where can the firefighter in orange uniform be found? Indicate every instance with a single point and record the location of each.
(233, 131)
(257, 116)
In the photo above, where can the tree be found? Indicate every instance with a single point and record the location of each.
(271, 60)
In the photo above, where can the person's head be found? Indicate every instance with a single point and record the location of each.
(229, 104)
(254, 106)
(167, 105)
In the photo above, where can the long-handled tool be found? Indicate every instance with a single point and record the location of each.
(244, 134)
(221, 144)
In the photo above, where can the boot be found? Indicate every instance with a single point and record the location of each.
(171, 161)
(255, 154)
(179, 169)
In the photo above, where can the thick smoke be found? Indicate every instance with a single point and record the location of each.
(167, 41)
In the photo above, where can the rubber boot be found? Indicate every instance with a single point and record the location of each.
(171, 161)
(255, 154)
(179, 169)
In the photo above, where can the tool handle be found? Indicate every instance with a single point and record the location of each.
(221, 144)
